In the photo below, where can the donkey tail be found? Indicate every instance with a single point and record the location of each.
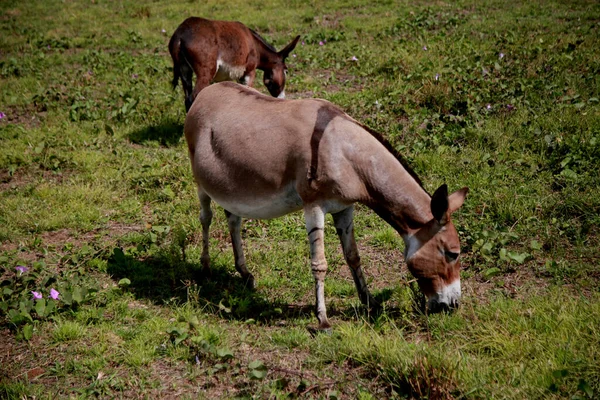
(174, 49)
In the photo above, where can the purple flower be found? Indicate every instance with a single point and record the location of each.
(54, 294)
(424, 48)
(36, 295)
(293, 55)
(484, 71)
(437, 77)
(134, 76)
(501, 56)
(321, 43)
(163, 31)
(303, 43)
(510, 107)
(21, 269)
(2, 115)
(354, 58)
(489, 106)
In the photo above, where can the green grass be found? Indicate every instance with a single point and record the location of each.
(98, 201)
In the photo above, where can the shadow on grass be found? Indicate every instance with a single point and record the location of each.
(167, 133)
(167, 278)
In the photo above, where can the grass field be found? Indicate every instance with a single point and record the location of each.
(97, 202)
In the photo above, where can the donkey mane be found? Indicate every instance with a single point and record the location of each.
(263, 41)
(389, 147)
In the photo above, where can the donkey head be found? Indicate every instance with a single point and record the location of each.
(275, 74)
(432, 252)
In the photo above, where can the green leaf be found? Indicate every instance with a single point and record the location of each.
(67, 297)
(77, 294)
(50, 307)
(123, 283)
(569, 173)
(180, 338)
(257, 370)
(535, 245)
(28, 332)
(167, 191)
(109, 130)
(518, 257)
(585, 388)
(503, 254)
(194, 322)
(40, 307)
(257, 374)
(257, 364)
(39, 148)
(489, 273)
(224, 353)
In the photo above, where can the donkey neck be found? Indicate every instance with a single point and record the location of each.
(267, 54)
(392, 192)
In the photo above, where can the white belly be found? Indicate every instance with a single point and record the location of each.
(263, 207)
(226, 72)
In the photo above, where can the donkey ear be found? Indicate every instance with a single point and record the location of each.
(439, 204)
(287, 50)
(457, 199)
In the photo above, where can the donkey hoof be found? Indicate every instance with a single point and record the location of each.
(326, 331)
(320, 330)
(250, 284)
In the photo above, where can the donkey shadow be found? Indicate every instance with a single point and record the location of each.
(165, 278)
(167, 133)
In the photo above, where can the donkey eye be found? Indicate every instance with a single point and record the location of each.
(450, 256)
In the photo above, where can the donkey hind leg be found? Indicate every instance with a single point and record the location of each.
(315, 224)
(205, 219)
(235, 222)
(344, 226)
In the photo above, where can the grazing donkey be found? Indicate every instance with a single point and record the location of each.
(224, 50)
(261, 157)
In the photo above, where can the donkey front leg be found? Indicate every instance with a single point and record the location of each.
(344, 225)
(315, 223)
(248, 78)
(235, 223)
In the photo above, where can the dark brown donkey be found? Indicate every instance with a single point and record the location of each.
(224, 51)
(260, 157)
